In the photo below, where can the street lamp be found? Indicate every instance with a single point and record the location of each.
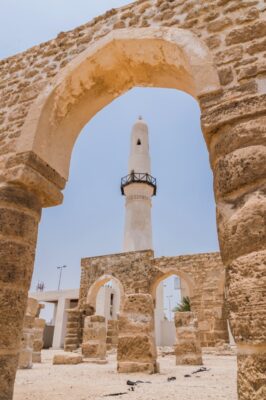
(170, 311)
(60, 275)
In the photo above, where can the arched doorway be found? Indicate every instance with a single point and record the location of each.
(106, 296)
(168, 292)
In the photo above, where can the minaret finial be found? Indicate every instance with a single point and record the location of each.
(140, 117)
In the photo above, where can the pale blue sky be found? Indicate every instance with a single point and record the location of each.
(90, 222)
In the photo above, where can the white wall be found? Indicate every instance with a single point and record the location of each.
(168, 333)
(103, 301)
(165, 333)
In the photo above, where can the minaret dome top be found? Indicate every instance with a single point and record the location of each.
(139, 163)
(140, 124)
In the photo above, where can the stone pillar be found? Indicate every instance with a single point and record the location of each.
(136, 350)
(39, 325)
(60, 323)
(187, 348)
(94, 338)
(19, 218)
(112, 334)
(235, 133)
(73, 329)
(26, 347)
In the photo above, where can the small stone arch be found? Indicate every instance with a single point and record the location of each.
(166, 274)
(97, 284)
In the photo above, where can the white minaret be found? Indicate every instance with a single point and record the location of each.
(138, 187)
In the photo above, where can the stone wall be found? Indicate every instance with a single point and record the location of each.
(206, 276)
(139, 272)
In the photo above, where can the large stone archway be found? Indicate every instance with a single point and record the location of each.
(158, 57)
(49, 92)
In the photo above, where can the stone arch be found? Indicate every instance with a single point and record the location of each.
(97, 284)
(165, 332)
(125, 58)
(166, 274)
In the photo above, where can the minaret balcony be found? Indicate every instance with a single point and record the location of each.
(135, 177)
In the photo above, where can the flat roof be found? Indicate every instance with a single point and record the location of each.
(54, 295)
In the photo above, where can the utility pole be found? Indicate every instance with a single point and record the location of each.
(60, 275)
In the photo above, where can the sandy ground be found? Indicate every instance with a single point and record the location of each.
(89, 381)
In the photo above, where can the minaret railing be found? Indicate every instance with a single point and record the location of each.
(136, 177)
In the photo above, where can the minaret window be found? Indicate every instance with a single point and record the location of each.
(112, 299)
(138, 142)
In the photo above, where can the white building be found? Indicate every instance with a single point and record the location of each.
(62, 300)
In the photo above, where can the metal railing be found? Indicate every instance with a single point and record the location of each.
(135, 177)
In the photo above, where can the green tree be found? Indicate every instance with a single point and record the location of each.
(184, 305)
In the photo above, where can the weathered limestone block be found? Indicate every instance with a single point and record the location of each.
(231, 111)
(242, 225)
(252, 376)
(32, 307)
(246, 279)
(112, 334)
(94, 337)
(240, 167)
(26, 349)
(25, 355)
(66, 358)
(250, 32)
(187, 348)
(239, 135)
(39, 325)
(136, 345)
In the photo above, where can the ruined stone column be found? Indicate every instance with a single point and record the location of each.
(75, 325)
(112, 334)
(136, 350)
(187, 347)
(235, 133)
(19, 217)
(27, 340)
(39, 325)
(94, 338)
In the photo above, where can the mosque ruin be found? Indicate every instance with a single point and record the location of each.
(213, 50)
(136, 271)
